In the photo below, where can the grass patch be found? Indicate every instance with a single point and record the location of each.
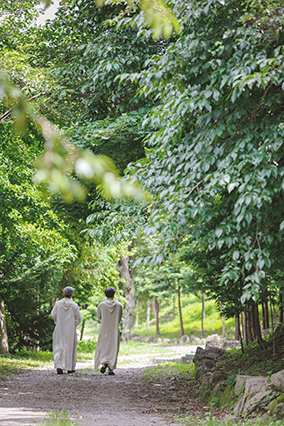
(210, 421)
(58, 418)
(191, 311)
(172, 369)
(21, 361)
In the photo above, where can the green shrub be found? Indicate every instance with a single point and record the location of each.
(87, 346)
(58, 418)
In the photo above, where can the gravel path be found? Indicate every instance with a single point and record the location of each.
(90, 397)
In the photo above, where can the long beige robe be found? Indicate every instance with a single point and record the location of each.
(110, 314)
(66, 316)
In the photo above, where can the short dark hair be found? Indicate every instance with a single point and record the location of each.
(109, 292)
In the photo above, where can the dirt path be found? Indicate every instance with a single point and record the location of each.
(90, 397)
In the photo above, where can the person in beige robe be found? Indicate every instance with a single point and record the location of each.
(66, 315)
(110, 314)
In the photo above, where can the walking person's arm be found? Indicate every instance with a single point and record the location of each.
(54, 313)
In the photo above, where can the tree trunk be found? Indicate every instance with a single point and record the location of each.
(265, 314)
(245, 328)
(223, 322)
(137, 315)
(148, 315)
(82, 329)
(237, 328)
(4, 345)
(249, 324)
(129, 295)
(157, 308)
(174, 305)
(154, 305)
(272, 325)
(203, 305)
(280, 306)
(255, 324)
(180, 312)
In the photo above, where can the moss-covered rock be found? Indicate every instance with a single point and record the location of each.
(216, 394)
(227, 397)
(207, 392)
(278, 400)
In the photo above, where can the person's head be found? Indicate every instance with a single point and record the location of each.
(68, 292)
(110, 292)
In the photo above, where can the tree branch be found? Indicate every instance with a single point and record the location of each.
(7, 113)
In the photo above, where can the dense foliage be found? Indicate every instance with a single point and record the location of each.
(195, 117)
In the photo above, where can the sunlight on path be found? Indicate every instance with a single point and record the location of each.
(10, 416)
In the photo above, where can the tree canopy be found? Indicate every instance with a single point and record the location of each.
(183, 100)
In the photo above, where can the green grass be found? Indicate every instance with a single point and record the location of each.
(169, 324)
(172, 368)
(210, 421)
(19, 362)
(57, 418)
(191, 313)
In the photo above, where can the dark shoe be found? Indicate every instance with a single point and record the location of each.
(71, 371)
(103, 369)
(59, 371)
(111, 373)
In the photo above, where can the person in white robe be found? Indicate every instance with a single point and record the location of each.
(110, 313)
(66, 315)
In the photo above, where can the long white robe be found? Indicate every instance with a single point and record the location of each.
(110, 314)
(66, 316)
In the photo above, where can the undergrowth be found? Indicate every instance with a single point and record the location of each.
(210, 421)
(58, 418)
(256, 361)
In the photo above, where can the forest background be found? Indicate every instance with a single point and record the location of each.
(184, 101)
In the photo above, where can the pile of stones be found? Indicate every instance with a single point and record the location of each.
(194, 340)
(253, 396)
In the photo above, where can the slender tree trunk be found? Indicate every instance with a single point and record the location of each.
(266, 308)
(249, 324)
(237, 328)
(137, 315)
(203, 304)
(157, 308)
(129, 295)
(203, 311)
(148, 315)
(174, 305)
(280, 306)
(272, 325)
(265, 315)
(4, 345)
(255, 323)
(274, 310)
(240, 334)
(180, 312)
(223, 322)
(153, 301)
(245, 328)
(82, 329)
